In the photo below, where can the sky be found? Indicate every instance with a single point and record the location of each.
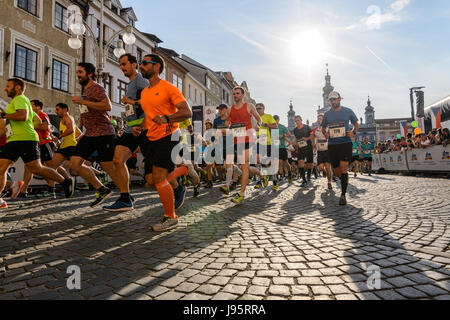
(281, 48)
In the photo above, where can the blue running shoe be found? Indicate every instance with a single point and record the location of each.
(304, 184)
(119, 206)
(179, 197)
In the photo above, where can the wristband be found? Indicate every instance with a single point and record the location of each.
(3, 114)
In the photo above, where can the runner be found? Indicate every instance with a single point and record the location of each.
(67, 145)
(337, 120)
(128, 143)
(284, 164)
(241, 123)
(22, 139)
(210, 142)
(14, 186)
(303, 134)
(164, 106)
(264, 145)
(356, 151)
(321, 146)
(367, 150)
(99, 135)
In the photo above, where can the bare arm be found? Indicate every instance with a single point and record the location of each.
(69, 125)
(252, 110)
(19, 115)
(104, 105)
(37, 122)
(184, 112)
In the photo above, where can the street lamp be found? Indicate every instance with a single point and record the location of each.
(78, 28)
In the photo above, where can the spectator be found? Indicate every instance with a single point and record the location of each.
(423, 141)
(432, 138)
(444, 137)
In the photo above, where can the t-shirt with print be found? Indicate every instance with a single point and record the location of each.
(355, 149)
(321, 140)
(44, 135)
(344, 117)
(134, 115)
(264, 133)
(303, 132)
(160, 100)
(97, 122)
(367, 150)
(21, 130)
(282, 131)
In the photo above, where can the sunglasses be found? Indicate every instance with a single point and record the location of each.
(146, 62)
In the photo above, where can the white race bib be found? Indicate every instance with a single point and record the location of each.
(337, 131)
(8, 130)
(367, 152)
(129, 110)
(192, 149)
(302, 144)
(355, 151)
(239, 130)
(322, 145)
(83, 109)
(263, 139)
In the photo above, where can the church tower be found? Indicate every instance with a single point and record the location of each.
(326, 92)
(370, 113)
(291, 118)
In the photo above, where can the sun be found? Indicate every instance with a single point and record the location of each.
(308, 48)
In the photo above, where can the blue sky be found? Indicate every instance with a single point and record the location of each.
(280, 48)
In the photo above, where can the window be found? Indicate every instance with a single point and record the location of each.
(163, 75)
(121, 90)
(60, 76)
(107, 85)
(223, 94)
(97, 31)
(175, 80)
(201, 98)
(131, 22)
(25, 65)
(139, 55)
(28, 5)
(195, 95)
(189, 90)
(114, 9)
(208, 83)
(180, 84)
(61, 17)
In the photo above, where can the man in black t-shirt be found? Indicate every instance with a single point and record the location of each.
(303, 134)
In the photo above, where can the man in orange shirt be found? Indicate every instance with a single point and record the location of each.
(164, 106)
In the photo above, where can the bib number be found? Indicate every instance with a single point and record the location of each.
(367, 152)
(8, 130)
(322, 145)
(337, 131)
(355, 151)
(83, 109)
(239, 130)
(302, 144)
(129, 110)
(263, 139)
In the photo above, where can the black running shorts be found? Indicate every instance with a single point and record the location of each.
(340, 152)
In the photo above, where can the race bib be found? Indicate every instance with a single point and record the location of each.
(355, 151)
(337, 131)
(239, 130)
(322, 145)
(367, 152)
(263, 139)
(192, 149)
(83, 109)
(129, 110)
(8, 130)
(302, 144)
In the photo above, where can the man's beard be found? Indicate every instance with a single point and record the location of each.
(336, 107)
(147, 74)
(12, 93)
(83, 81)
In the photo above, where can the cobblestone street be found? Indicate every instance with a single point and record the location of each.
(292, 244)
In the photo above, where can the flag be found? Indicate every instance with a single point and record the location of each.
(404, 128)
(436, 119)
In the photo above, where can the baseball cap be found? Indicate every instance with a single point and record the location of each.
(222, 106)
(334, 95)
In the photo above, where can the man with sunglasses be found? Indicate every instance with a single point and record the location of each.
(128, 143)
(164, 107)
(338, 120)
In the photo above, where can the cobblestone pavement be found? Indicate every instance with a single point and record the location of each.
(291, 244)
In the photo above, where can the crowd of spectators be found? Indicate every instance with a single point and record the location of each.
(422, 141)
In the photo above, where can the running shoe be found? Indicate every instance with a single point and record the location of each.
(101, 196)
(330, 186)
(304, 184)
(238, 198)
(119, 206)
(258, 185)
(165, 224)
(343, 200)
(225, 190)
(15, 189)
(22, 195)
(233, 186)
(179, 197)
(46, 194)
(275, 187)
(69, 187)
(290, 180)
(316, 176)
(3, 204)
(209, 185)
(265, 182)
(196, 192)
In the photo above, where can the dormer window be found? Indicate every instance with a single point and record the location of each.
(114, 9)
(131, 22)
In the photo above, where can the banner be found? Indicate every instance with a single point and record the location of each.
(376, 164)
(429, 159)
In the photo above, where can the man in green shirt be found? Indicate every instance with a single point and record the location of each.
(22, 139)
(284, 164)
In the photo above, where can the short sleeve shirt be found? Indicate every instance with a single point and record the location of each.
(355, 149)
(160, 100)
(134, 91)
(21, 130)
(304, 132)
(282, 130)
(345, 116)
(96, 122)
(367, 150)
(44, 135)
(266, 119)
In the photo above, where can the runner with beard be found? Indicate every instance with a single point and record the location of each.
(323, 158)
(22, 139)
(337, 121)
(303, 134)
(128, 143)
(164, 107)
(99, 136)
